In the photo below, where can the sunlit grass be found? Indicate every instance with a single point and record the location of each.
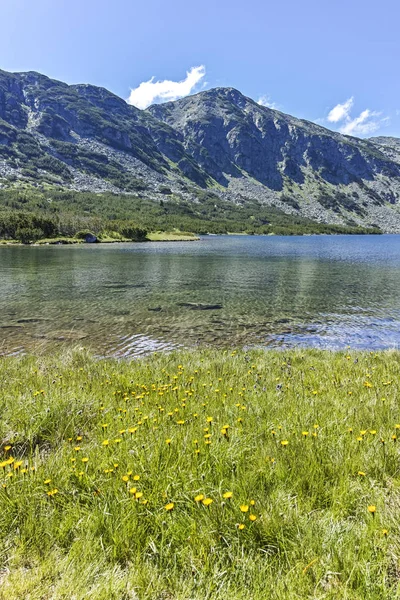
(202, 474)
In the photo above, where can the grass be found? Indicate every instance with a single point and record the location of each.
(158, 236)
(106, 466)
(171, 236)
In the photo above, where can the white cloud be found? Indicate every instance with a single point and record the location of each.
(149, 92)
(364, 124)
(341, 111)
(266, 101)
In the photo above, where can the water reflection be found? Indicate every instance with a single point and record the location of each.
(135, 298)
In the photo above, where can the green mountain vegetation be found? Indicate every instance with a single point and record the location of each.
(29, 216)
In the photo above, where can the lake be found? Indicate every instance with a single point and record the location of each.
(132, 299)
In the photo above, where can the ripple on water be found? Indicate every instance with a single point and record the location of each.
(133, 300)
(140, 345)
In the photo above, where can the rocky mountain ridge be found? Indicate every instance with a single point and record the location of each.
(218, 141)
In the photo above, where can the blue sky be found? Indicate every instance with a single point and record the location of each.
(311, 58)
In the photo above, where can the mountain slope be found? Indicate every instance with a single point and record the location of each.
(86, 138)
(235, 139)
(59, 116)
(231, 134)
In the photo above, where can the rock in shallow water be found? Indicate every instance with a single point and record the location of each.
(198, 306)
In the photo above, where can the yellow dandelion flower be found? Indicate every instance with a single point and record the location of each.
(372, 509)
(169, 506)
(47, 481)
(138, 495)
(168, 441)
(227, 495)
(361, 473)
(85, 459)
(385, 532)
(125, 478)
(241, 526)
(244, 508)
(207, 501)
(132, 490)
(77, 448)
(284, 442)
(105, 442)
(253, 517)
(199, 498)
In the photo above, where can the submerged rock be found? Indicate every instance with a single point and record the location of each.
(66, 335)
(32, 320)
(199, 306)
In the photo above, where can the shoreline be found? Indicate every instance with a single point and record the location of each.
(75, 242)
(160, 237)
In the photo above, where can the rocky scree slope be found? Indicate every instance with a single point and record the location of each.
(86, 138)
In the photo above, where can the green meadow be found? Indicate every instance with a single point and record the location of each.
(200, 475)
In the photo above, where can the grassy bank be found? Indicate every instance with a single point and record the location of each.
(157, 236)
(200, 475)
(174, 236)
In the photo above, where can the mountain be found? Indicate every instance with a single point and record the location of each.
(86, 138)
